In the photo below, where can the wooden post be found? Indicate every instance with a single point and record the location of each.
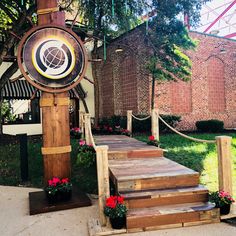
(129, 121)
(103, 180)
(55, 117)
(23, 157)
(224, 163)
(155, 124)
(81, 122)
(86, 124)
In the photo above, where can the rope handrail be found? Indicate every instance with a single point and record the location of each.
(140, 119)
(186, 136)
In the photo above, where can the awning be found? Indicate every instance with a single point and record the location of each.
(21, 89)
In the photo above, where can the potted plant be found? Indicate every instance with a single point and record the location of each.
(86, 155)
(65, 189)
(116, 210)
(76, 132)
(222, 200)
(152, 141)
(58, 189)
(51, 189)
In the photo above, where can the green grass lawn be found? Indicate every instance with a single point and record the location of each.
(10, 163)
(201, 157)
(198, 156)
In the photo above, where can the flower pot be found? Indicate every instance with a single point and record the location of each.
(118, 223)
(224, 210)
(65, 196)
(51, 198)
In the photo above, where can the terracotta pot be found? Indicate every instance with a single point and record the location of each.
(224, 210)
(118, 223)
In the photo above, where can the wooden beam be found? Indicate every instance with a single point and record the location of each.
(224, 163)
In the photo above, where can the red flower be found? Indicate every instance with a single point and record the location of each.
(151, 138)
(120, 200)
(110, 129)
(65, 181)
(111, 202)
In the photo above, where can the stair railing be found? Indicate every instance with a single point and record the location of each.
(223, 144)
(102, 168)
(154, 122)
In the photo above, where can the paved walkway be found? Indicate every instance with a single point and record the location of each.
(16, 221)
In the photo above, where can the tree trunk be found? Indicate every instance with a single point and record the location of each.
(153, 93)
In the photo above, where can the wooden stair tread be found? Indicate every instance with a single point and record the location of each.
(170, 209)
(179, 215)
(132, 169)
(155, 193)
(122, 142)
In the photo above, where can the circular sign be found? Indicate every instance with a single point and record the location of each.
(52, 58)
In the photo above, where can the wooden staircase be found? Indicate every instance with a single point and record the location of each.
(159, 193)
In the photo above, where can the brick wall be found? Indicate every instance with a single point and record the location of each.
(211, 93)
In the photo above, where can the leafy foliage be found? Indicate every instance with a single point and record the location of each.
(103, 17)
(210, 125)
(221, 198)
(115, 207)
(6, 114)
(86, 155)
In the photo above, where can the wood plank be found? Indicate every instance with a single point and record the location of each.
(176, 199)
(121, 146)
(151, 173)
(38, 202)
(173, 214)
(55, 150)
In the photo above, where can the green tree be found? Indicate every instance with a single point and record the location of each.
(110, 18)
(16, 18)
(169, 39)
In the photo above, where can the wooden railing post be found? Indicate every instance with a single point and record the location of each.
(81, 122)
(87, 126)
(103, 180)
(129, 121)
(224, 163)
(155, 124)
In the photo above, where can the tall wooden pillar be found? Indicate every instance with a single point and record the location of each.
(55, 110)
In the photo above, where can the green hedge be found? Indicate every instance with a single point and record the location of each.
(210, 125)
(137, 126)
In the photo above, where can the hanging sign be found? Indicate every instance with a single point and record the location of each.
(52, 58)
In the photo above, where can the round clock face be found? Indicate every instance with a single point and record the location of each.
(53, 58)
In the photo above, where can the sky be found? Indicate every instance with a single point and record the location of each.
(226, 25)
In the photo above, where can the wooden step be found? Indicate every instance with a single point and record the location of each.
(152, 198)
(123, 147)
(150, 173)
(172, 215)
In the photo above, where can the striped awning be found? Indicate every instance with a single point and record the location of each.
(21, 89)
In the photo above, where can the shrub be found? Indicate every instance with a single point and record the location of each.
(210, 125)
(172, 120)
(84, 170)
(109, 125)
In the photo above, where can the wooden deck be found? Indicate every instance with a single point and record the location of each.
(159, 193)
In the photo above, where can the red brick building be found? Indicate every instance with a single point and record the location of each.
(211, 93)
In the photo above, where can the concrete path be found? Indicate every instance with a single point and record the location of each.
(16, 221)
